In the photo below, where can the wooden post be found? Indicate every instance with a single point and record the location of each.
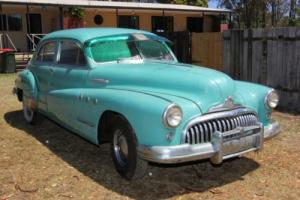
(61, 17)
(117, 17)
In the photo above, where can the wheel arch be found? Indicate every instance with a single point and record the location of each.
(105, 122)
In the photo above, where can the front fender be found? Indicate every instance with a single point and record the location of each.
(143, 112)
(26, 82)
(253, 96)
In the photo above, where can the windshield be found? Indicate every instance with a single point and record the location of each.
(117, 49)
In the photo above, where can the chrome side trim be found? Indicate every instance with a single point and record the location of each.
(100, 80)
(215, 115)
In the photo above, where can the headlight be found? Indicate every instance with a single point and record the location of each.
(172, 116)
(272, 99)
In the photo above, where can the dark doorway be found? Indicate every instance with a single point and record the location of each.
(162, 24)
(128, 21)
(34, 26)
(194, 24)
(216, 23)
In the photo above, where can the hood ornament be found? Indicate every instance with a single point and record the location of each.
(227, 105)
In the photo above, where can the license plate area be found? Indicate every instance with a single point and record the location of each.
(236, 142)
(240, 140)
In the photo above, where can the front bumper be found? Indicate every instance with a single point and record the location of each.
(223, 146)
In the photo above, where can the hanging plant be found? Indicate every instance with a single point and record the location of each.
(76, 12)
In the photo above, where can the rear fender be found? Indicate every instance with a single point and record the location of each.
(25, 81)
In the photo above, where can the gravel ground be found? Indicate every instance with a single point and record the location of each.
(48, 162)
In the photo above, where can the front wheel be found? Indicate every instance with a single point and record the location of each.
(124, 151)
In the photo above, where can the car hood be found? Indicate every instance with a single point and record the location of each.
(204, 87)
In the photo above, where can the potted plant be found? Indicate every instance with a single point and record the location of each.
(74, 17)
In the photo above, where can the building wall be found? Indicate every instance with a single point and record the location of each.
(145, 18)
(50, 22)
(51, 19)
(109, 18)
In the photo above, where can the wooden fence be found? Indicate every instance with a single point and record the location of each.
(266, 56)
(207, 50)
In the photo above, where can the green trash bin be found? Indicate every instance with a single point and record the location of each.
(7, 61)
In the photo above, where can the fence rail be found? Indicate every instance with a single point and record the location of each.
(266, 56)
(6, 42)
(34, 40)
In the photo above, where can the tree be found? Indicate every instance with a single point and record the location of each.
(263, 13)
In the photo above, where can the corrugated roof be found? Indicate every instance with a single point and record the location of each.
(116, 4)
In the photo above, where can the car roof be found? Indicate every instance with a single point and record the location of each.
(85, 34)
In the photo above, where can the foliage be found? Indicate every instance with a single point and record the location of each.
(76, 12)
(263, 13)
(202, 3)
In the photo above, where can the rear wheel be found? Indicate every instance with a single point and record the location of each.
(124, 151)
(31, 116)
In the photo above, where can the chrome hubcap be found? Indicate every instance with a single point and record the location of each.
(120, 147)
(28, 113)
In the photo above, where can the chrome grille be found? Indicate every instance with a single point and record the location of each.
(201, 131)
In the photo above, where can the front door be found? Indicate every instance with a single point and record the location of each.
(66, 84)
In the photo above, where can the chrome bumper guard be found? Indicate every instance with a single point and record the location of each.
(223, 146)
(272, 130)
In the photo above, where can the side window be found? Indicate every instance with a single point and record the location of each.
(71, 54)
(47, 52)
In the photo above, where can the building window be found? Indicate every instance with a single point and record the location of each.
(98, 19)
(127, 21)
(162, 24)
(3, 22)
(194, 24)
(14, 22)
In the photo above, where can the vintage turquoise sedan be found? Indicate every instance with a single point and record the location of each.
(126, 87)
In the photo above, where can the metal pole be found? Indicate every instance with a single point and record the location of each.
(28, 26)
(230, 22)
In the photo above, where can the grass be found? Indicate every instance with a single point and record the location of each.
(48, 162)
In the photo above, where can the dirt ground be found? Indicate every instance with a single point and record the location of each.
(48, 162)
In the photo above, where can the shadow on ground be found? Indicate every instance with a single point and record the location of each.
(161, 182)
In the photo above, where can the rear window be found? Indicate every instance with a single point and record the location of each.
(47, 52)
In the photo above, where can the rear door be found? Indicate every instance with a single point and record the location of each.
(66, 83)
(42, 68)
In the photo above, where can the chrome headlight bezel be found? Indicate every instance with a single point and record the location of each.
(173, 110)
(272, 99)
